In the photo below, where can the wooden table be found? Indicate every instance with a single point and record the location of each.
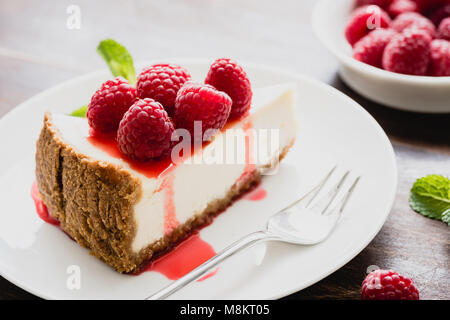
(38, 51)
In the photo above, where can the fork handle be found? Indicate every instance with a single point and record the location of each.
(245, 242)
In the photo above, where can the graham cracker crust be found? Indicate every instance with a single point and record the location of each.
(94, 200)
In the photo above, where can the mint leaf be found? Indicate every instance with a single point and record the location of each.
(81, 112)
(120, 63)
(446, 217)
(118, 59)
(430, 196)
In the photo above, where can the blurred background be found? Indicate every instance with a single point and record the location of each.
(45, 35)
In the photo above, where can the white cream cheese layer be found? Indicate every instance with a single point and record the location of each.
(209, 174)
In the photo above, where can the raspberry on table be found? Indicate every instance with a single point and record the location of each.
(413, 20)
(398, 7)
(388, 285)
(201, 102)
(145, 131)
(381, 3)
(440, 58)
(364, 20)
(370, 48)
(108, 105)
(444, 29)
(161, 82)
(408, 53)
(228, 76)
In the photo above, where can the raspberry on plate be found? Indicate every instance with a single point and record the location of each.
(444, 29)
(388, 285)
(161, 82)
(227, 76)
(413, 20)
(370, 48)
(145, 131)
(108, 105)
(408, 53)
(381, 3)
(201, 102)
(364, 20)
(398, 7)
(440, 58)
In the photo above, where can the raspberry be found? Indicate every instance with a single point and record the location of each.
(201, 102)
(227, 76)
(364, 20)
(413, 20)
(440, 58)
(381, 3)
(398, 7)
(408, 53)
(145, 131)
(388, 285)
(370, 48)
(444, 29)
(161, 82)
(439, 13)
(108, 105)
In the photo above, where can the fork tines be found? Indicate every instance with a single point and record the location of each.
(323, 204)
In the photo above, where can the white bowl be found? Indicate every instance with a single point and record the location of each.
(405, 92)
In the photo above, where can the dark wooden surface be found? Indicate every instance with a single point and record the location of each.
(38, 51)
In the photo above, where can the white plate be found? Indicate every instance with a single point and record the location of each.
(333, 130)
(400, 91)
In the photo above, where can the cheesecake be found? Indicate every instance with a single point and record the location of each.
(128, 213)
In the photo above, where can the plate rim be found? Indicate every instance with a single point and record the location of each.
(260, 67)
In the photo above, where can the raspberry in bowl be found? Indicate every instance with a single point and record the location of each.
(401, 63)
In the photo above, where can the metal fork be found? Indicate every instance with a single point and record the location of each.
(304, 222)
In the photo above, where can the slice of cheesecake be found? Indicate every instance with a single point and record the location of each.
(128, 213)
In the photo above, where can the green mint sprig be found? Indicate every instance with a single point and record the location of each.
(119, 62)
(118, 59)
(430, 196)
(81, 112)
(446, 217)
